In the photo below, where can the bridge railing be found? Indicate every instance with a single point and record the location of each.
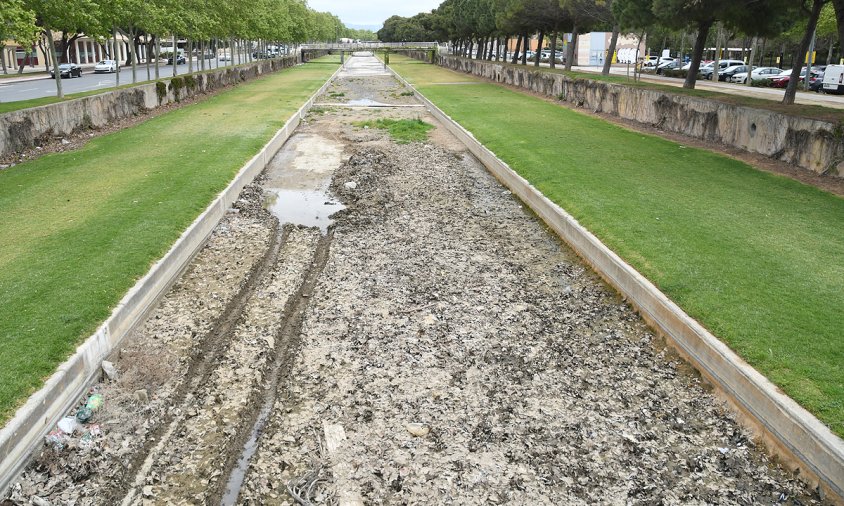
(371, 46)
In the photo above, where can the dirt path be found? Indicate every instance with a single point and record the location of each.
(435, 344)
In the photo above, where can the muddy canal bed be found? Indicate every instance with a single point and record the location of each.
(434, 344)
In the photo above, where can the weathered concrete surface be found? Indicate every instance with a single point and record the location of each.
(27, 128)
(790, 432)
(810, 144)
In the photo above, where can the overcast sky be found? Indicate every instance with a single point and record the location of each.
(372, 12)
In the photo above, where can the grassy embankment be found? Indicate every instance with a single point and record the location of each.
(165, 72)
(79, 228)
(756, 258)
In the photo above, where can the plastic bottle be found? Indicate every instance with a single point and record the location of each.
(95, 402)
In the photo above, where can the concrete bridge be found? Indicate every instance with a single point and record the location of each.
(371, 46)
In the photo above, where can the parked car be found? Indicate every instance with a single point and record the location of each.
(180, 60)
(656, 61)
(105, 66)
(758, 74)
(669, 65)
(68, 70)
(781, 80)
(225, 57)
(706, 71)
(816, 80)
(703, 63)
(730, 71)
(833, 80)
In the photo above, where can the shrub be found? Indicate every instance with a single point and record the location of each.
(190, 82)
(160, 90)
(761, 83)
(676, 73)
(176, 84)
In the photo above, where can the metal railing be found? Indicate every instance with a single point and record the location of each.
(370, 46)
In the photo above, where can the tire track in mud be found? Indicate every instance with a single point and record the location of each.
(202, 366)
(289, 337)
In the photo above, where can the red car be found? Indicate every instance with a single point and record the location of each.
(781, 80)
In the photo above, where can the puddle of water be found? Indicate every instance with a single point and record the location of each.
(366, 103)
(309, 208)
(298, 177)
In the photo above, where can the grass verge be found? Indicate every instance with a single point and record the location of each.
(81, 227)
(37, 102)
(402, 131)
(801, 110)
(755, 257)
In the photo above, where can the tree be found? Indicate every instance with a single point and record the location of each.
(17, 22)
(814, 10)
(66, 17)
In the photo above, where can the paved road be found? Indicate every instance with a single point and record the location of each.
(45, 87)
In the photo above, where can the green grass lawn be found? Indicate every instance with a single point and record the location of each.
(165, 72)
(772, 104)
(402, 130)
(756, 258)
(79, 228)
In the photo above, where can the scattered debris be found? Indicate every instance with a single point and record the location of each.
(110, 371)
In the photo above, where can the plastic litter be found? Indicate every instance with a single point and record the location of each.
(56, 439)
(95, 402)
(68, 425)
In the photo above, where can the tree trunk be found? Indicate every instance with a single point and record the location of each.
(753, 43)
(700, 42)
(538, 54)
(518, 49)
(147, 50)
(716, 66)
(55, 56)
(116, 59)
(190, 56)
(572, 48)
(611, 52)
(202, 56)
(3, 59)
(175, 54)
(157, 55)
(829, 51)
(133, 54)
(525, 49)
(791, 89)
(553, 60)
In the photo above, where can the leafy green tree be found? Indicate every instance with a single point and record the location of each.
(17, 22)
(69, 18)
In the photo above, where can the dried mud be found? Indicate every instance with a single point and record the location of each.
(439, 345)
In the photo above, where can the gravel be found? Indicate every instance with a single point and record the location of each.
(450, 350)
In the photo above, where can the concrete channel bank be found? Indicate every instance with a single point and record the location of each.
(810, 144)
(25, 431)
(28, 128)
(788, 430)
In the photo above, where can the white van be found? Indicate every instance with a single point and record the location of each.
(833, 79)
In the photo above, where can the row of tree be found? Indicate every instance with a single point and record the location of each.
(480, 25)
(206, 25)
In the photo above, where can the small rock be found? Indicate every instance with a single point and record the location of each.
(142, 396)
(110, 371)
(4, 166)
(418, 429)
(39, 501)
(350, 185)
(65, 142)
(148, 491)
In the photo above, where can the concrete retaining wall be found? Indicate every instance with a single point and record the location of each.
(787, 429)
(27, 128)
(810, 144)
(25, 432)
